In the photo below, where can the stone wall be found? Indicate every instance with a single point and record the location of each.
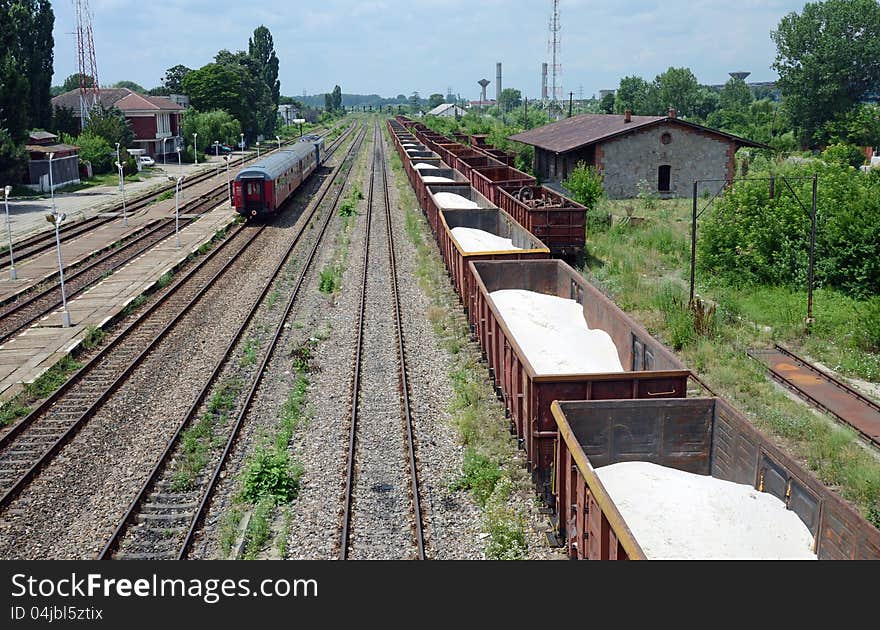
(691, 154)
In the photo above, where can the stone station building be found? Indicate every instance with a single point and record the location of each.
(666, 152)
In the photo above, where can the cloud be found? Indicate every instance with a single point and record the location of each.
(428, 45)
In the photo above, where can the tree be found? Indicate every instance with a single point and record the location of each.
(828, 59)
(262, 49)
(677, 88)
(12, 159)
(173, 81)
(232, 84)
(510, 99)
(707, 101)
(64, 120)
(39, 66)
(111, 125)
(213, 125)
(415, 101)
(131, 85)
(14, 91)
(735, 95)
(606, 105)
(336, 98)
(96, 150)
(73, 82)
(434, 100)
(632, 94)
(26, 57)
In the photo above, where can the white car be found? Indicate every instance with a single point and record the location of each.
(146, 160)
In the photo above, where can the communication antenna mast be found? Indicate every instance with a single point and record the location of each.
(555, 44)
(88, 65)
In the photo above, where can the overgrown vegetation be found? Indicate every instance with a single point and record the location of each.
(755, 235)
(645, 269)
(330, 279)
(198, 440)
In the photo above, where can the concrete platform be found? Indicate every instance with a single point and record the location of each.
(36, 269)
(25, 357)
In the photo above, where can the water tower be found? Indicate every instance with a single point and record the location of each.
(483, 83)
(740, 75)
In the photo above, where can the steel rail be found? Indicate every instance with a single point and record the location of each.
(7, 439)
(403, 384)
(113, 544)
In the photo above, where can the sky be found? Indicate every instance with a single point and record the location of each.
(398, 47)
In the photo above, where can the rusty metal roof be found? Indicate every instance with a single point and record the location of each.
(580, 131)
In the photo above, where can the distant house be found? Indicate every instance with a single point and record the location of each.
(288, 113)
(667, 153)
(447, 110)
(155, 119)
(64, 163)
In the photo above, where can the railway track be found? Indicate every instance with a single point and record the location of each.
(29, 445)
(44, 241)
(822, 390)
(162, 520)
(382, 516)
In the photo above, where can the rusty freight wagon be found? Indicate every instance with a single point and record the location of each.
(431, 177)
(413, 167)
(650, 369)
(705, 436)
(490, 181)
(494, 221)
(466, 164)
(557, 220)
(433, 206)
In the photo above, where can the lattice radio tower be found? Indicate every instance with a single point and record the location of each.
(88, 65)
(554, 46)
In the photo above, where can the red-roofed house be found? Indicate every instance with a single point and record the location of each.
(155, 119)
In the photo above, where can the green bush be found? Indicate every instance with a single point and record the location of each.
(95, 149)
(479, 474)
(844, 155)
(749, 237)
(271, 474)
(585, 184)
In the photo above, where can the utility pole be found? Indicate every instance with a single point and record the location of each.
(570, 97)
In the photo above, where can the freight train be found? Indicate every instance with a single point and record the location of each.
(573, 421)
(261, 189)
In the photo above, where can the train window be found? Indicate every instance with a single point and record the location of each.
(253, 189)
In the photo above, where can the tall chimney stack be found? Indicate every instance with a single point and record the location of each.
(672, 112)
(627, 116)
(497, 82)
(543, 81)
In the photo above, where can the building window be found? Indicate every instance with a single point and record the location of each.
(163, 124)
(666, 138)
(664, 175)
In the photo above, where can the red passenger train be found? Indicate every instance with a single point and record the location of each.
(262, 188)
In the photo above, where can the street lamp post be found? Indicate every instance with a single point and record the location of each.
(278, 138)
(51, 182)
(56, 219)
(241, 144)
(122, 187)
(164, 155)
(217, 154)
(117, 161)
(195, 148)
(177, 187)
(180, 169)
(258, 149)
(6, 191)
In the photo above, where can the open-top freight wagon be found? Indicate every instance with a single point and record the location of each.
(704, 436)
(491, 221)
(556, 220)
(647, 369)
